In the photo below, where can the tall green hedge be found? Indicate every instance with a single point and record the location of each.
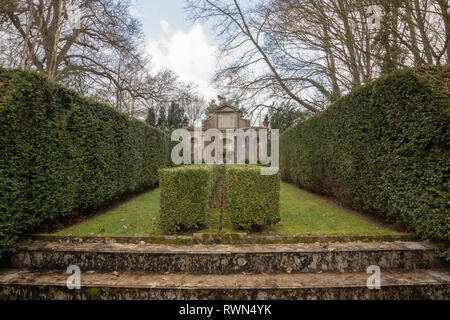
(61, 154)
(253, 199)
(185, 195)
(382, 148)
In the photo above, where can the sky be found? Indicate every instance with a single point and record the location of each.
(173, 42)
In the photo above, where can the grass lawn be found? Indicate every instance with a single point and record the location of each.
(301, 214)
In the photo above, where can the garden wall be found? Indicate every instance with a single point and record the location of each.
(383, 148)
(62, 154)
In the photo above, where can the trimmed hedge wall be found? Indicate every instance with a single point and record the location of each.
(185, 195)
(382, 148)
(253, 199)
(62, 154)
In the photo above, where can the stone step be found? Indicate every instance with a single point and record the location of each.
(418, 284)
(225, 259)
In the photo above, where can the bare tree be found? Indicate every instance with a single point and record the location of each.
(241, 27)
(55, 47)
(92, 46)
(310, 52)
(192, 103)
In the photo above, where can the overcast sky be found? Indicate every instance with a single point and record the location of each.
(174, 42)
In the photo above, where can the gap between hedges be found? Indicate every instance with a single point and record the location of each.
(252, 200)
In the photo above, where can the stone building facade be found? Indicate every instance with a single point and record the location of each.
(222, 118)
(225, 117)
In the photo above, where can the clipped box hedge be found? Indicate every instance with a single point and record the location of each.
(185, 195)
(253, 199)
(382, 148)
(62, 154)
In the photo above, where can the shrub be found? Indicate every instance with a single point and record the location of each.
(253, 199)
(185, 196)
(382, 148)
(62, 154)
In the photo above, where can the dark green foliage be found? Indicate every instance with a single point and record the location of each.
(185, 196)
(382, 148)
(162, 119)
(62, 154)
(187, 191)
(253, 199)
(285, 117)
(389, 54)
(151, 117)
(175, 116)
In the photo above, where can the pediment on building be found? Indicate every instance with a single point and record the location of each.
(226, 108)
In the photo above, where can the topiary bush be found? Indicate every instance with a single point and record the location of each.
(382, 148)
(185, 195)
(62, 154)
(253, 199)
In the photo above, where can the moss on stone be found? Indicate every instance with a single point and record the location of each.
(93, 291)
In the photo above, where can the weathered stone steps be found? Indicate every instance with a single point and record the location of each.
(419, 284)
(225, 259)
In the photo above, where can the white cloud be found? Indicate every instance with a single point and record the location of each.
(188, 54)
(165, 26)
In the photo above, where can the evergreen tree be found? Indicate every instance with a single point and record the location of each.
(385, 45)
(285, 117)
(175, 116)
(151, 117)
(162, 120)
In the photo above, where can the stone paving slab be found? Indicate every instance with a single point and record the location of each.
(225, 259)
(417, 284)
(225, 238)
(222, 248)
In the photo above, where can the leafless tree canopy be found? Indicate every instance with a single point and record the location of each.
(303, 53)
(311, 52)
(101, 30)
(93, 46)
